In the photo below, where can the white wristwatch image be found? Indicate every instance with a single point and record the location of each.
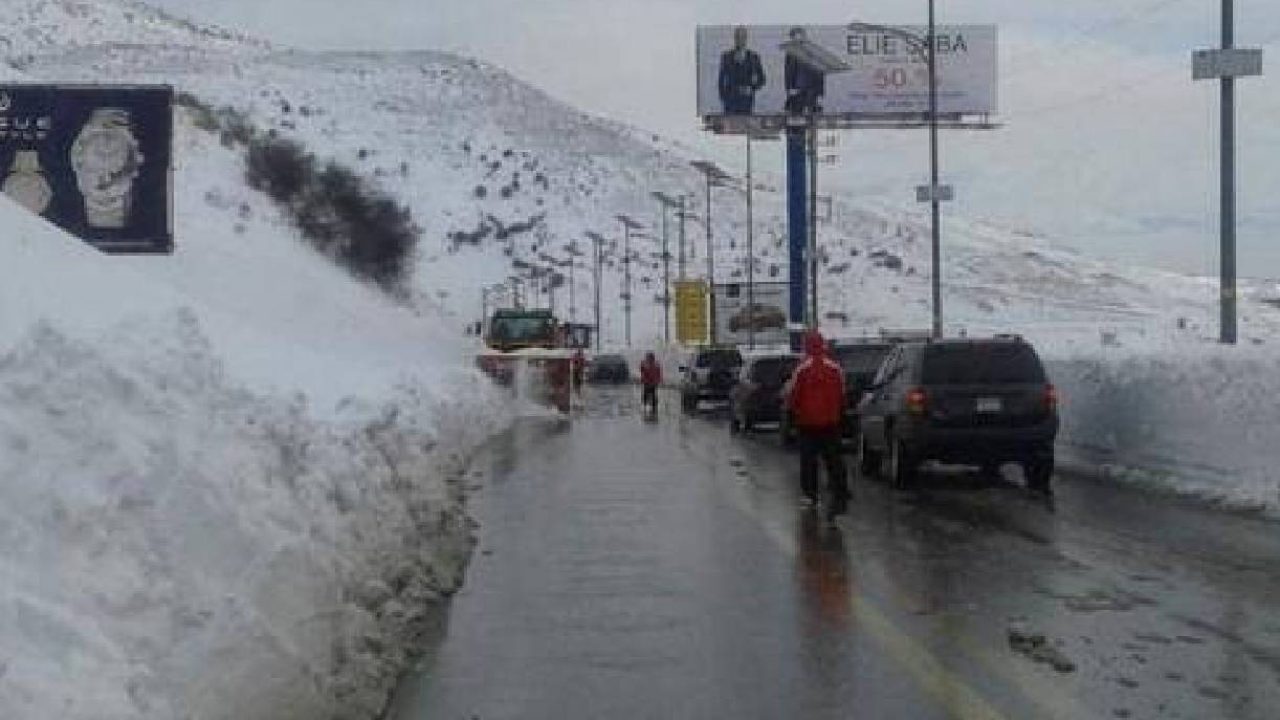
(106, 159)
(26, 184)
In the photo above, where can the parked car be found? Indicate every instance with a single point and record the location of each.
(860, 359)
(983, 402)
(757, 395)
(708, 374)
(759, 318)
(608, 369)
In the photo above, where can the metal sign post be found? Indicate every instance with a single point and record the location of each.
(1226, 65)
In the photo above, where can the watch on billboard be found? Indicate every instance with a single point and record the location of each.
(95, 160)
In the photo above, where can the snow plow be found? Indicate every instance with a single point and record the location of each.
(527, 351)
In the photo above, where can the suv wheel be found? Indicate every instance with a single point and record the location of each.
(735, 427)
(902, 472)
(747, 423)
(1039, 472)
(868, 459)
(688, 404)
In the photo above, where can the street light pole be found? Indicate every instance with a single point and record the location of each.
(934, 199)
(682, 219)
(812, 249)
(751, 257)
(599, 277)
(667, 202)
(628, 225)
(1228, 218)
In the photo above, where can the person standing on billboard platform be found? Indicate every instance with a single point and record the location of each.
(741, 75)
(805, 83)
(815, 398)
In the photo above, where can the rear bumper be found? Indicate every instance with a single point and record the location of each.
(976, 445)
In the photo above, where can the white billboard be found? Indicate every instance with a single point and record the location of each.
(743, 70)
(739, 311)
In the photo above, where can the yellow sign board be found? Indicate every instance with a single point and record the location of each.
(691, 311)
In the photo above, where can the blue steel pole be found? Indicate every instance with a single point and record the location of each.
(797, 225)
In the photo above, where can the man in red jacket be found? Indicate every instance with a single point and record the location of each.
(815, 398)
(650, 379)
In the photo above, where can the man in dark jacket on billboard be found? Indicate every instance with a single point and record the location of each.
(815, 398)
(805, 83)
(741, 75)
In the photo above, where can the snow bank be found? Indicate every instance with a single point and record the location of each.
(176, 546)
(230, 480)
(1202, 421)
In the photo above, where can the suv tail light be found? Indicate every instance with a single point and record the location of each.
(1050, 398)
(917, 401)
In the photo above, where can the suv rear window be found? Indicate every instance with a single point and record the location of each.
(772, 371)
(981, 363)
(719, 359)
(864, 359)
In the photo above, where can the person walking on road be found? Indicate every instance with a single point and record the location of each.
(650, 379)
(815, 398)
(578, 365)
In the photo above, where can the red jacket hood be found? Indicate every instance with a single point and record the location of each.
(815, 345)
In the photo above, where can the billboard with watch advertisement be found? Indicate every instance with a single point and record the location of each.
(95, 160)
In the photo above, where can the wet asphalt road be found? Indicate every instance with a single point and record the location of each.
(629, 569)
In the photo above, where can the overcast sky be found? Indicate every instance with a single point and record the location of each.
(634, 61)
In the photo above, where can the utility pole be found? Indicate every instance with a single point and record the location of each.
(934, 195)
(599, 277)
(1226, 64)
(714, 175)
(668, 203)
(627, 226)
(812, 249)
(573, 308)
(751, 257)
(682, 219)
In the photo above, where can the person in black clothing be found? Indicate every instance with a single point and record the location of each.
(805, 83)
(741, 75)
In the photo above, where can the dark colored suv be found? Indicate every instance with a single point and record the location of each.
(757, 396)
(708, 374)
(981, 402)
(608, 369)
(860, 360)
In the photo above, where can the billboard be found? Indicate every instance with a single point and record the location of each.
(95, 160)
(763, 309)
(743, 71)
(691, 311)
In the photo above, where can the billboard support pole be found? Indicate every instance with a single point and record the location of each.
(797, 230)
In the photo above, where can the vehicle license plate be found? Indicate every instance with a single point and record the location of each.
(990, 405)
